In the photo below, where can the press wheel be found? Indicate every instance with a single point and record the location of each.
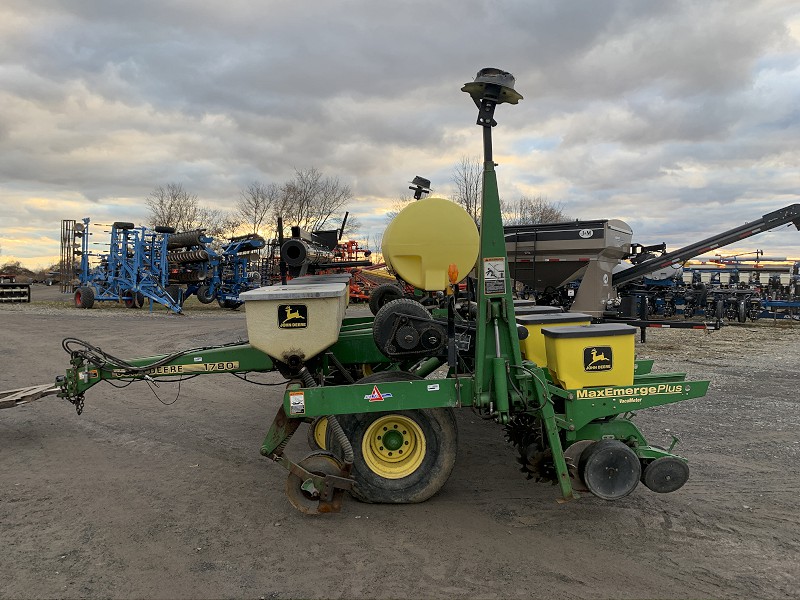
(302, 494)
(610, 469)
(665, 474)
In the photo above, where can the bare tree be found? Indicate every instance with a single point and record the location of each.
(468, 179)
(218, 223)
(375, 243)
(351, 227)
(399, 204)
(173, 206)
(310, 199)
(256, 203)
(530, 211)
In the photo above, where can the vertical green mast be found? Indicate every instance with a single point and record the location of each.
(497, 342)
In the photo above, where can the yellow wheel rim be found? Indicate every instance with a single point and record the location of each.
(320, 428)
(393, 446)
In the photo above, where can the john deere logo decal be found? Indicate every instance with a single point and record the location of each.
(597, 358)
(376, 395)
(292, 316)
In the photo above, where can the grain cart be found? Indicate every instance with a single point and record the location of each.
(362, 384)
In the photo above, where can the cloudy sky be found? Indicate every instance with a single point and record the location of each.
(681, 118)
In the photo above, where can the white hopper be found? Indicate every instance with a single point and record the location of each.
(297, 322)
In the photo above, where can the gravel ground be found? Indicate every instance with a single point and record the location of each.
(138, 499)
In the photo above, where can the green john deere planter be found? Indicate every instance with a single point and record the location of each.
(381, 426)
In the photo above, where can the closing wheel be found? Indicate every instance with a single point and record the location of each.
(666, 474)
(400, 457)
(610, 469)
(316, 433)
(302, 493)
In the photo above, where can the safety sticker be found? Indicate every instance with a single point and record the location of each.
(494, 275)
(297, 403)
(376, 395)
(434, 387)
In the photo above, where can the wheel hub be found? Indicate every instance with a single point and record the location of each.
(393, 446)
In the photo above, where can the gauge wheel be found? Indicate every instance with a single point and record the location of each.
(610, 469)
(400, 457)
(302, 495)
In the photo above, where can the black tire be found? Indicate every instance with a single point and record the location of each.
(229, 304)
(140, 299)
(164, 229)
(742, 316)
(719, 309)
(665, 474)
(610, 469)
(383, 294)
(84, 297)
(123, 225)
(204, 294)
(129, 299)
(382, 325)
(430, 464)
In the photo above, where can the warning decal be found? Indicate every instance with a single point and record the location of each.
(494, 275)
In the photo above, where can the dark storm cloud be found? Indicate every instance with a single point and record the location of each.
(644, 110)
